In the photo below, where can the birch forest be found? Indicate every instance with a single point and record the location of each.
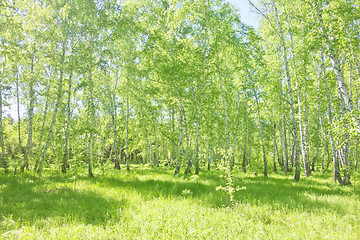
(174, 119)
(180, 83)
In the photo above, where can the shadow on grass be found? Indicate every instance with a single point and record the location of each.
(26, 200)
(154, 188)
(307, 195)
(33, 200)
(276, 192)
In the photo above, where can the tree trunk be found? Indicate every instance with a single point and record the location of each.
(18, 110)
(195, 159)
(148, 148)
(47, 90)
(113, 111)
(208, 153)
(225, 116)
(67, 131)
(165, 155)
(156, 146)
(188, 159)
(89, 157)
(356, 155)
(292, 156)
(275, 150)
(333, 148)
(92, 116)
(3, 160)
(188, 146)
(284, 144)
(302, 135)
(127, 123)
(345, 98)
(180, 147)
(317, 135)
(328, 156)
(115, 144)
(250, 146)
(261, 136)
(103, 148)
(236, 132)
(302, 116)
(243, 165)
(324, 139)
(288, 78)
(57, 107)
(28, 151)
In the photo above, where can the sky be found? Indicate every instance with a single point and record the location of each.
(247, 12)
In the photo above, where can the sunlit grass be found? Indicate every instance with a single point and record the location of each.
(151, 203)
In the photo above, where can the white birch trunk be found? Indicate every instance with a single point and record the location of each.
(333, 148)
(288, 78)
(127, 123)
(261, 136)
(225, 114)
(180, 147)
(57, 106)
(67, 131)
(28, 151)
(3, 160)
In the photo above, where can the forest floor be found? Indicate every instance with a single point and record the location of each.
(151, 203)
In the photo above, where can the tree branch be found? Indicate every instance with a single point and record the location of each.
(265, 16)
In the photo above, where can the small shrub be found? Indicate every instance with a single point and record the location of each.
(186, 192)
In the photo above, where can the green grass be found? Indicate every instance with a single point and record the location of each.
(150, 203)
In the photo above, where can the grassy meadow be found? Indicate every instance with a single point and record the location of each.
(151, 203)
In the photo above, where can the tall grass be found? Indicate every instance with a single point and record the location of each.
(151, 203)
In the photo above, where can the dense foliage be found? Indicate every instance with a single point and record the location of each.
(180, 83)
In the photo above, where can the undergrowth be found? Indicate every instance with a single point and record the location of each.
(151, 203)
